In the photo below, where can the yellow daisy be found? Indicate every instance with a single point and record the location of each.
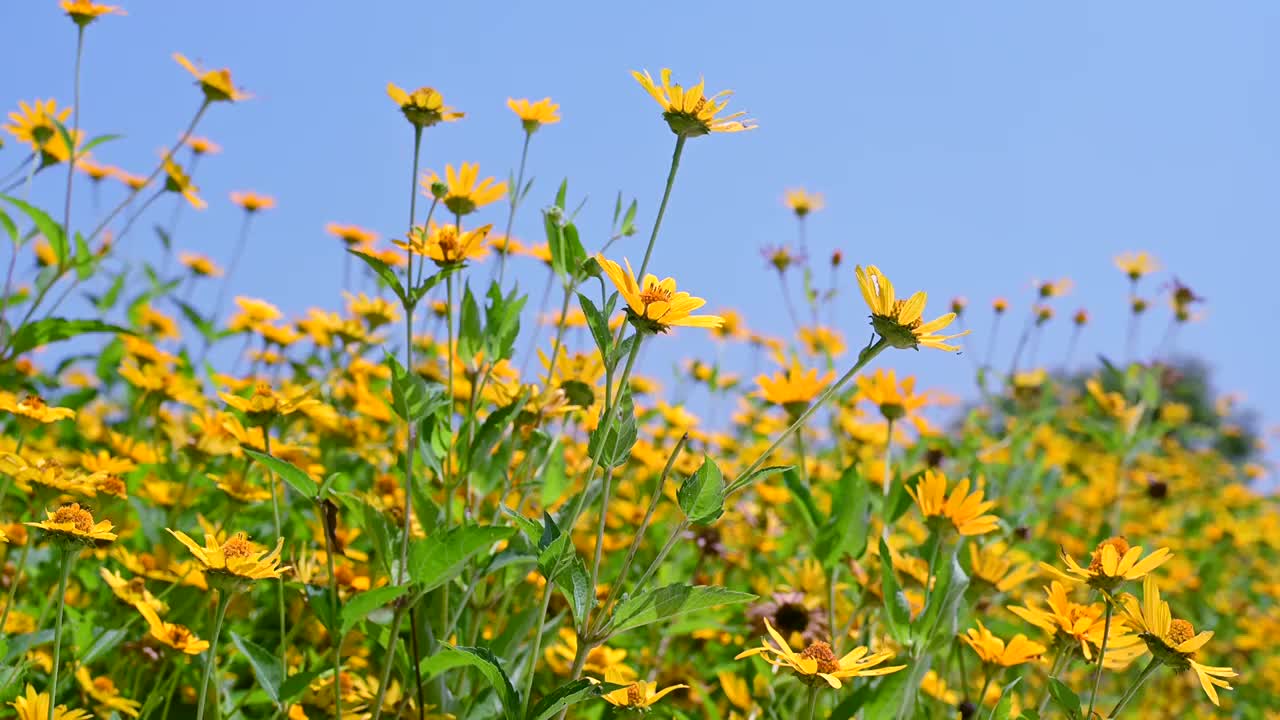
(534, 115)
(899, 321)
(83, 12)
(423, 107)
(72, 522)
(216, 84)
(465, 192)
(655, 306)
(817, 662)
(1113, 562)
(965, 510)
(236, 557)
(690, 112)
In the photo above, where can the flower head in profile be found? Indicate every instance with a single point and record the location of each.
(802, 202)
(1112, 563)
(172, 635)
(465, 192)
(793, 387)
(33, 408)
(237, 557)
(178, 181)
(1078, 625)
(899, 322)
(1136, 264)
(534, 115)
(966, 511)
(690, 112)
(423, 107)
(1173, 641)
(993, 650)
(199, 264)
(655, 306)
(637, 695)
(75, 524)
(445, 246)
(266, 404)
(36, 706)
(893, 398)
(817, 663)
(216, 84)
(352, 235)
(103, 691)
(251, 201)
(83, 12)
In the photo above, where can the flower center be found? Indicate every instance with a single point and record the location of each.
(655, 293)
(1120, 544)
(821, 652)
(262, 390)
(104, 685)
(237, 547)
(34, 402)
(1180, 631)
(75, 515)
(792, 618)
(634, 698)
(898, 306)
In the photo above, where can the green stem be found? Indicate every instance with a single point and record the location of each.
(867, 355)
(515, 202)
(335, 608)
(389, 661)
(1060, 658)
(275, 511)
(888, 471)
(17, 578)
(224, 599)
(1102, 653)
(75, 128)
(811, 704)
(241, 241)
(933, 564)
(537, 648)
(67, 557)
(1132, 692)
(662, 207)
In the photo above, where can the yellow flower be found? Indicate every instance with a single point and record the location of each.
(177, 180)
(104, 692)
(178, 637)
(994, 565)
(817, 661)
(83, 12)
(1136, 264)
(72, 522)
(1173, 641)
(351, 234)
(899, 321)
(216, 84)
(424, 107)
(655, 306)
(131, 592)
(689, 112)
(35, 706)
(36, 124)
(534, 115)
(1112, 563)
(465, 191)
(202, 145)
(266, 404)
(201, 265)
(1113, 404)
(963, 509)
(33, 408)
(894, 399)
(444, 245)
(236, 557)
(639, 694)
(802, 202)
(794, 387)
(252, 201)
(994, 651)
(1082, 625)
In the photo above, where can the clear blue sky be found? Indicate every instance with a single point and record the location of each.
(965, 148)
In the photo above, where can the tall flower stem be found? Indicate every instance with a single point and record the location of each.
(662, 207)
(868, 354)
(224, 599)
(75, 129)
(1132, 692)
(231, 267)
(275, 512)
(515, 202)
(335, 607)
(68, 555)
(888, 470)
(389, 662)
(811, 704)
(1102, 654)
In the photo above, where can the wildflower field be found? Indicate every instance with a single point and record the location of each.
(438, 499)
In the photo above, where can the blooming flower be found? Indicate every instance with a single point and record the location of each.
(216, 84)
(534, 115)
(33, 408)
(640, 694)
(177, 637)
(423, 107)
(464, 191)
(36, 706)
(965, 510)
(794, 386)
(689, 112)
(1112, 562)
(655, 306)
(444, 245)
(899, 321)
(993, 650)
(236, 557)
(818, 662)
(83, 12)
(251, 201)
(1136, 264)
(75, 523)
(802, 202)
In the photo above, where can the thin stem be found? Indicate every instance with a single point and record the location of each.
(933, 564)
(662, 555)
(1102, 653)
(537, 649)
(867, 355)
(75, 129)
(390, 661)
(831, 607)
(275, 511)
(812, 704)
(68, 556)
(231, 267)
(335, 607)
(662, 207)
(224, 599)
(515, 202)
(1132, 692)
(1060, 659)
(17, 578)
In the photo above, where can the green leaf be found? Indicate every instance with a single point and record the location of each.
(46, 225)
(53, 329)
(555, 478)
(10, 228)
(941, 617)
(95, 142)
(896, 695)
(758, 475)
(469, 331)
(359, 606)
(1004, 706)
(492, 430)
(801, 493)
(611, 442)
(266, 666)
(502, 322)
(569, 694)
(598, 324)
(103, 643)
(1065, 698)
(297, 684)
(897, 609)
(671, 601)
(701, 495)
(438, 559)
(289, 472)
(386, 273)
(491, 667)
(412, 398)
(576, 586)
(845, 532)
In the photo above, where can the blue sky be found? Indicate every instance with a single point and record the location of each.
(965, 148)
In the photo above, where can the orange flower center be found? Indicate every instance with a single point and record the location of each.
(35, 402)
(1180, 631)
(104, 685)
(898, 305)
(1119, 543)
(75, 515)
(263, 390)
(655, 293)
(821, 652)
(237, 547)
(634, 697)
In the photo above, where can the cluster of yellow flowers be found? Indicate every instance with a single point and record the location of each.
(454, 536)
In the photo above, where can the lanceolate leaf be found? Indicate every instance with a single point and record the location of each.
(290, 473)
(671, 601)
(51, 330)
(265, 665)
(491, 668)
